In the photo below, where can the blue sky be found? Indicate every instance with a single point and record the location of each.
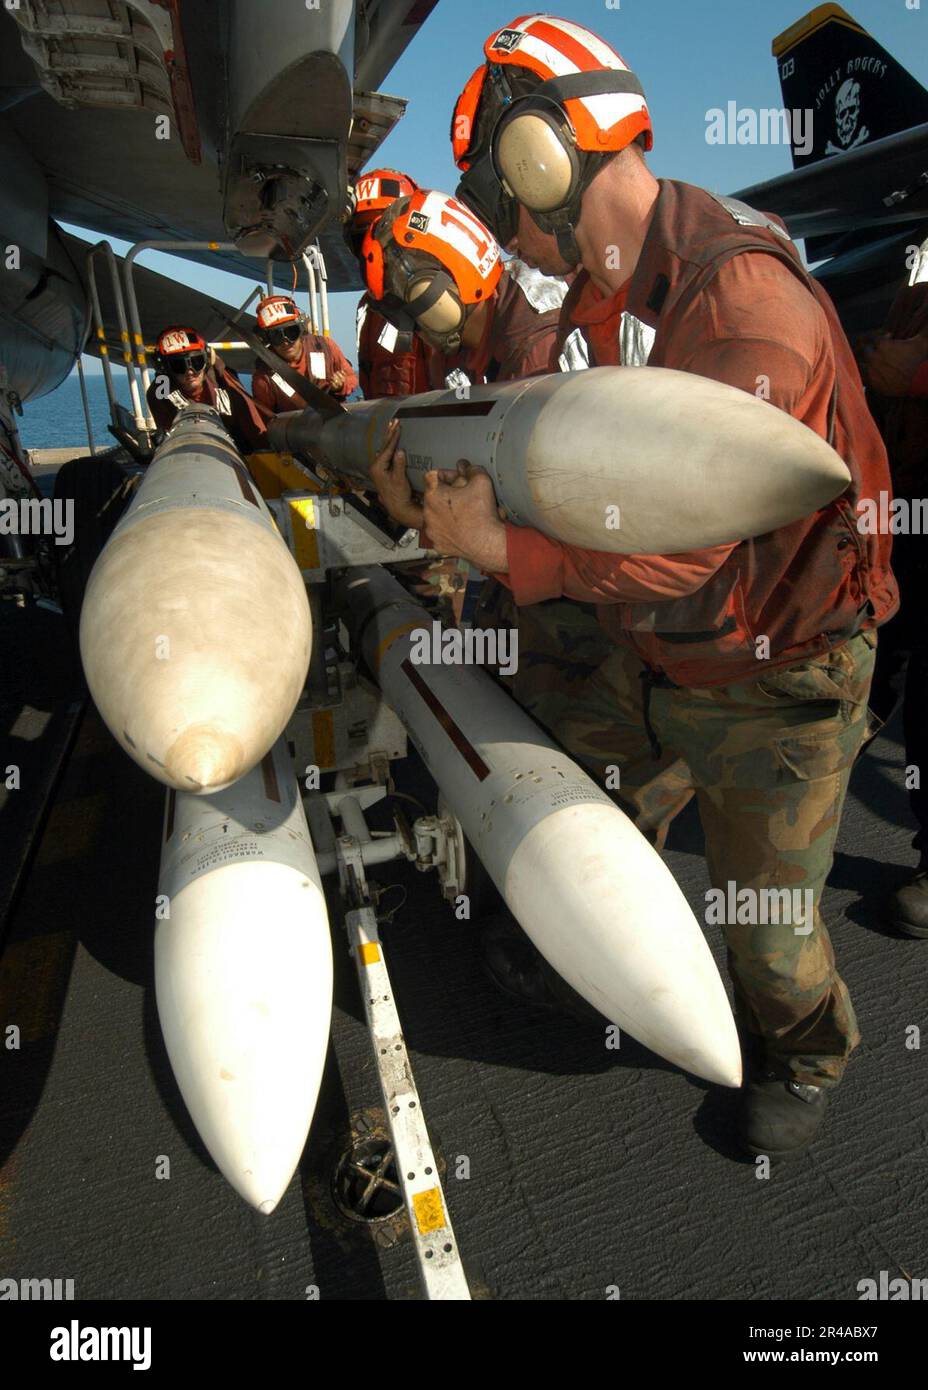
(691, 55)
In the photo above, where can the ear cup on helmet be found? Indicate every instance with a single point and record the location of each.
(446, 315)
(536, 158)
(373, 263)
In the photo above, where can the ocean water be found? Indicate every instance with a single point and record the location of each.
(56, 421)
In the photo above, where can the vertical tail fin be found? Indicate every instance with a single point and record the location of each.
(857, 91)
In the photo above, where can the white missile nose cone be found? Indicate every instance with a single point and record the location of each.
(243, 981)
(634, 949)
(825, 472)
(721, 1070)
(205, 759)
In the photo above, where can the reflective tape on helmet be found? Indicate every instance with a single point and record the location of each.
(448, 221)
(276, 310)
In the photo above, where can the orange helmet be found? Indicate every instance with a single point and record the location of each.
(592, 84)
(179, 338)
(274, 309)
(374, 192)
(559, 100)
(429, 262)
(180, 349)
(278, 320)
(475, 113)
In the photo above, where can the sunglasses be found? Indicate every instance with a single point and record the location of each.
(186, 362)
(288, 333)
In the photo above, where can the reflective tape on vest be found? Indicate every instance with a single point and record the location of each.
(636, 339)
(575, 354)
(282, 385)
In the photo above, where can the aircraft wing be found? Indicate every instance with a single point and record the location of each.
(852, 190)
(186, 121)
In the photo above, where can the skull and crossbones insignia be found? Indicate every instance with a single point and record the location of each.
(847, 118)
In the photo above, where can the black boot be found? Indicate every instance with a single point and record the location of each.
(907, 909)
(780, 1117)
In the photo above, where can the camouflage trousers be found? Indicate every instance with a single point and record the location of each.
(561, 646)
(769, 762)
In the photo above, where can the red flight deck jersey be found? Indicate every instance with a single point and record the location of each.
(729, 299)
(520, 332)
(321, 357)
(225, 393)
(386, 373)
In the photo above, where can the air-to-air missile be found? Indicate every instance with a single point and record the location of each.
(623, 459)
(195, 635)
(586, 886)
(195, 631)
(243, 972)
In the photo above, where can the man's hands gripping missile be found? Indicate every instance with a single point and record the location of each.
(458, 513)
(388, 474)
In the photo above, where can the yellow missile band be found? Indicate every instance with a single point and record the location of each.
(137, 339)
(391, 638)
(369, 952)
(124, 335)
(104, 350)
(213, 245)
(428, 1210)
(100, 333)
(324, 738)
(371, 446)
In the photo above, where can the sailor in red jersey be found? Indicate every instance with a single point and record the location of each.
(190, 372)
(383, 369)
(490, 323)
(282, 327)
(740, 673)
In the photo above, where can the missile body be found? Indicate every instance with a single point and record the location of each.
(243, 972)
(631, 460)
(195, 631)
(593, 895)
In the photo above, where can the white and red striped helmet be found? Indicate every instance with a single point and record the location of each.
(552, 102)
(558, 49)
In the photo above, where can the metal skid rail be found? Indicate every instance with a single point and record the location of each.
(435, 1243)
(323, 533)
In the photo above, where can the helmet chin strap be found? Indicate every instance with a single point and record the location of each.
(567, 246)
(562, 223)
(561, 226)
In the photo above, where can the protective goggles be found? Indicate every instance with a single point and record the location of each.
(283, 333)
(180, 362)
